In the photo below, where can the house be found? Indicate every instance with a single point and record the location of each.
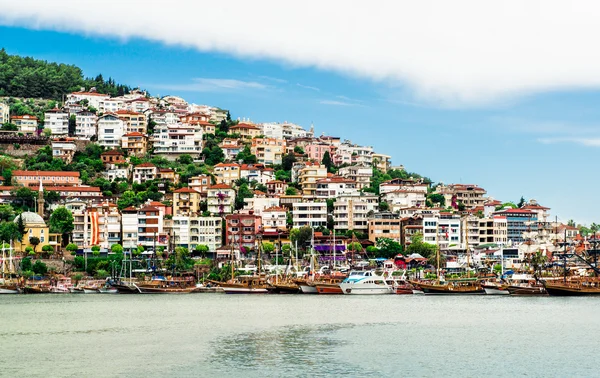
(47, 178)
(35, 227)
(194, 117)
(64, 148)
(220, 199)
(471, 196)
(135, 143)
(57, 121)
(335, 186)
(27, 124)
(200, 183)
(112, 157)
(110, 130)
(4, 113)
(172, 141)
(241, 230)
(256, 172)
(284, 130)
(403, 184)
(268, 151)
(231, 149)
(86, 125)
(186, 202)
(206, 231)
(309, 176)
(207, 127)
(168, 175)
(360, 173)
(134, 122)
(259, 203)
(92, 98)
(382, 162)
(144, 172)
(316, 151)
(151, 232)
(348, 153)
(351, 212)
(110, 105)
(245, 130)
(403, 198)
(384, 225)
(276, 187)
(226, 173)
(274, 219)
(138, 105)
(313, 214)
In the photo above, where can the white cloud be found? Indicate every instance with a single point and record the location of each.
(462, 52)
(202, 84)
(308, 87)
(336, 103)
(587, 142)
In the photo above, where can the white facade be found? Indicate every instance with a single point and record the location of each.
(4, 113)
(57, 122)
(177, 139)
(253, 173)
(361, 174)
(85, 125)
(274, 218)
(352, 212)
(445, 231)
(220, 199)
(348, 153)
(400, 199)
(259, 204)
(130, 230)
(181, 231)
(94, 99)
(283, 130)
(311, 214)
(110, 131)
(110, 105)
(335, 187)
(206, 231)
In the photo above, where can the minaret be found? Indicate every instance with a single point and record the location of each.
(41, 200)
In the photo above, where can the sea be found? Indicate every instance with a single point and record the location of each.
(219, 335)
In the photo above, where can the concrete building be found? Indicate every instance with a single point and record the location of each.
(348, 153)
(470, 195)
(241, 230)
(93, 99)
(361, 174)
(129, 225)
(98, 224)
(268, 151)
(221, 199)
(384, 225)
(135, 143)
(351, 212)
(313, 214)
(517, 222)
(274, 219)
(382, 162)
(186, 202)
(333, 187)
(226, 173)
(48, 178)
(259, 203)
(27, 124)
(151, 232)
(64, 148)
(205, 231)
(256, 172)
(200, 183)
(245, 130)
(57, 121)
(276, 187)
(111, 105)
(404, 198)
(316, 151)
(110, 130)
(4, 113)
(86, 125)
(172, 141)
(36, 227)
(309, 176)
(144, 172)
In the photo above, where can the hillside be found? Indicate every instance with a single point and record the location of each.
(34, 78)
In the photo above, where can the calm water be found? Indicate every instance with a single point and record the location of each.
(217, 335)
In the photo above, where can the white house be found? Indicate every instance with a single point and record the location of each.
(110, 130)
(57, 121)
(85, 125)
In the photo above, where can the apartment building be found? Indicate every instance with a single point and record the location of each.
(348, 153)
(276, 187)
(200, 183)
(4, 113)
(186, 202)
(241, 230)
(92, 98)
(274, 219)
(351, 212)
(86, 125)
(111, 105)
(309, 176)
(256, 172)
(98, 224)
(360, 173)
(382, 162)
(206, 231)
(47, 178)
(245, 130)
(316, 151)
(284, 130)
(384, 225)
(135, 143)
(27, 124)
(333, 187)
(518, 221)
(129, 228)
(313, 214)
(268, 151)
(151, 232)
(64, 149)
(110, 130)
(470, 195)
(171, 141)
(144, 172)
(404, 198)
(221, 199)
(227, 173)
(57, 121)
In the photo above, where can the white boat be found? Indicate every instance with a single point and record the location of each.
(108, 290)
(307, 289)
(9, 290)
(495, 288)
(245, 290)
(369, 282)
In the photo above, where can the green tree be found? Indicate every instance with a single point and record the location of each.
(521, 202)
(72, 124)
(243, 192)
(287, 162)
(429, 251)
(299, 150)
(438, 199)
(302, 235)
(39, 268)
(185, 159)
(327, 162)
(246, 156)
(571, 223)
(9, 231)
(96, 250)
(72, 248)
(384, 206)
(388, 248)
(26, 264)
(61, 221)
(268, 247)
(201, 249)
(47, 249)
(117, 249)
(291, 191)
(34, 241)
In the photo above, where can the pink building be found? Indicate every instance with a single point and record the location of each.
(315, 151)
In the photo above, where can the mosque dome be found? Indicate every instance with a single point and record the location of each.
(31, 219)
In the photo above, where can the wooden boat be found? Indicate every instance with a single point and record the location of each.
(526, 290)
(403, 288)
(454, 287)
(108, 289)
(9, 288)
(206, 289)
(246, 284)
(584, 286)
(495, 288)
(286, 287)
(36, 289)
(124, 287)
(166, 286)
(76, 290)
(305, 286)
(90, 290)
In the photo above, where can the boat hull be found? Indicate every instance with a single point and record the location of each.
(126, 289)
(566, 291)
(90, 290)
(495, 291)
(283, 289)
(244, 290)
(307, 289)
(449, 290)
(9, 290)
(328, 289)
(365, 289)
(110, 290)
(164, 290)
(523, 290)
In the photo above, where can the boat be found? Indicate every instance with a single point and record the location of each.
(76, 290)
(495, 288)
(246, 284)
(306, 286)
(90, 290)
(9, 288)
(160, 285)
(525, 284)
(36, 288)
(328, 284)
(584, 286)
(125, 287)
(108, 289)
(453, 287)
(7, 267)
(284, 287)
(365, 282)
(403, 287)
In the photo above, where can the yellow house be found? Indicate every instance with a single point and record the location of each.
(36, 227)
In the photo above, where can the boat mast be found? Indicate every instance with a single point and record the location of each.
(467, 246)
(437, 250)
(334, 248)
(297, 266)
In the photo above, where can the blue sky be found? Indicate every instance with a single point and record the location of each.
(540, 145)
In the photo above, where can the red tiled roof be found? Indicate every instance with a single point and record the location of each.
(26, 116)
(45, 173)
(226, 165)
(244, 126)
(134, 133)
(127, 112)
(148, 208)
(111, 152)
(275, 208)
(145, 165)
(219, 186)
(89, 94)
(185, 190)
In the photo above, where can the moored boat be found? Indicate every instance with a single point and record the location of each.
(495, 288)
(454, 287)
(8, 288)
(246, 284)
(365, 282)
(584, 286)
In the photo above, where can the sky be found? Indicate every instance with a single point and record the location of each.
(499, 94)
